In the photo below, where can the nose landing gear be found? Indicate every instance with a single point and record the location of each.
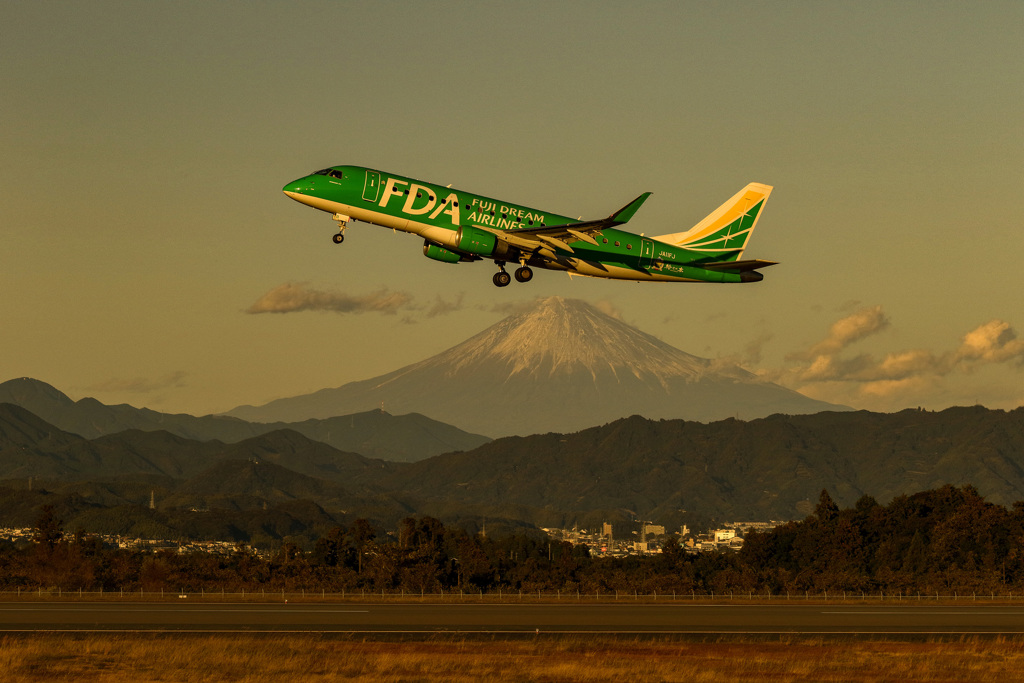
(342, 221)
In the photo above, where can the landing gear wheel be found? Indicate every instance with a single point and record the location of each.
(501, 279)
(524, 274)
(339, 238)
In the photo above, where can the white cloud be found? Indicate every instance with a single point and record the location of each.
(444, 307)
(858, 325)
(993, 342)
(292, 297)
(899, 378)
(139, 385)
(609, 309)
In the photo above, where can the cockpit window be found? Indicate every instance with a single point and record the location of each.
(323, 172)
(330, 172)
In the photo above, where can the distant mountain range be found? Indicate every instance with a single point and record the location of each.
(771, 468)
(561, 367)
(31, 447)
(375, 433)
(668, 471)
(103, 483)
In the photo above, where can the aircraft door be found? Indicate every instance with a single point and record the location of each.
(371, 188)
(646, 252)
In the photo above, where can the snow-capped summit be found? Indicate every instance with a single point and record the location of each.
(563, 336)
(562, 366)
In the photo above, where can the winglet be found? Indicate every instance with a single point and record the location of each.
(625, 213)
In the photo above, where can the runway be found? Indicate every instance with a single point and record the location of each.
(508, 618)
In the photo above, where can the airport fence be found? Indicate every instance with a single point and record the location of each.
(513, 596)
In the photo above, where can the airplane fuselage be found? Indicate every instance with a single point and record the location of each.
(461, 226)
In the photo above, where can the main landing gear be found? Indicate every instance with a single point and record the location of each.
(342, 221)
(502, 279)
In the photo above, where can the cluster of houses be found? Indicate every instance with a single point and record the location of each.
(26, 534)
(650, 538)
(144, 544)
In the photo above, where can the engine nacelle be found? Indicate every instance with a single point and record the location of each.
(440, 253)
(476, 241)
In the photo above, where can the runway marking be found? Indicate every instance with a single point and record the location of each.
(524, 632)
(154, 606)
(190, 610)
(957, 613)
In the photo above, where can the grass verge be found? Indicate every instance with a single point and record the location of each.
(259, 658)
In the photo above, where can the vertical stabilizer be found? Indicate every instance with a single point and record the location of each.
(728, 227)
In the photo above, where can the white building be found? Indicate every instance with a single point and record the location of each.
(724, 535)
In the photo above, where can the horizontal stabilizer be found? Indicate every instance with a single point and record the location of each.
(738, 266)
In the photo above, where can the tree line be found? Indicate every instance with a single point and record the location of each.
(940, 541)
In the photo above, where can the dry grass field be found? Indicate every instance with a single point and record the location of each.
(138, 658)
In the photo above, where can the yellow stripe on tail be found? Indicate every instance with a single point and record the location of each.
(728, 227)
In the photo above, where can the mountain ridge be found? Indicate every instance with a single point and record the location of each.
(60, 455)
(768, 468)
(373, 433)
(668, 471)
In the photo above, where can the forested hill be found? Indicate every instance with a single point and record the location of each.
(669, 472)
(772, 468)
(946, 542)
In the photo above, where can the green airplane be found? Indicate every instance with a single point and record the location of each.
(458, 226)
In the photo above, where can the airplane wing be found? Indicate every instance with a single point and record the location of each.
(534, 239)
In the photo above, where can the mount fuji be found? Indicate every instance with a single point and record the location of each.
(562, 366)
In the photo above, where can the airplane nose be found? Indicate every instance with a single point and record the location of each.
(300, 186)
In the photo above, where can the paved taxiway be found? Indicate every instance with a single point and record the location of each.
(510, 618)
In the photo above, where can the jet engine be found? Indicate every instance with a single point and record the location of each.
(480, 243)
(440, 253)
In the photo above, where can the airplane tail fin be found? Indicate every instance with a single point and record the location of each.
(727, 228)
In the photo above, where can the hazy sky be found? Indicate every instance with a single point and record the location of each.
(144, 146)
